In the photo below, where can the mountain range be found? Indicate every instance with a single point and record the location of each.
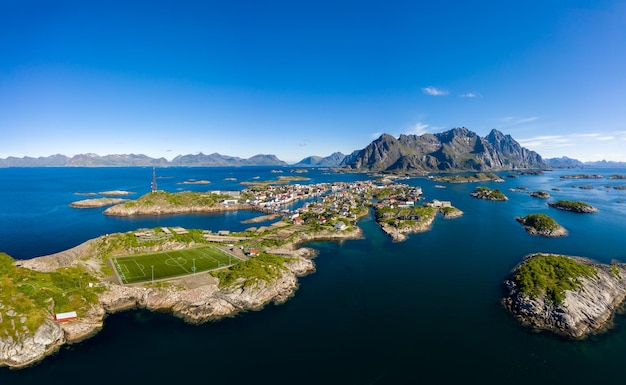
(93, 160)
(565, 162)
(458, 149)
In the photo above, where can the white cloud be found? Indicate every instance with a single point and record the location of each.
(434, 91)
(418, 129)
(515, 121)
(545, 141)
(471, 95)
(605, 138)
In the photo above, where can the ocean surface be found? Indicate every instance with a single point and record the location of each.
(423, 311)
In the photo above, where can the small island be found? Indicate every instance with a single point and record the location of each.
(582, 176)
(542, 224)
(574, 206)
(195, 181)
(479, 177)
(569, 296)
(282, 179)
(97, 202)
(489, 194)
(115, 193)
(540, 194)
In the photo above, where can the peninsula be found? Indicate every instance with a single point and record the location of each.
(568, 296)
(193, 274)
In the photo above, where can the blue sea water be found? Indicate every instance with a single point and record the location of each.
(426, 310)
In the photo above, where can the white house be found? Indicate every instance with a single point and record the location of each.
(64, 317)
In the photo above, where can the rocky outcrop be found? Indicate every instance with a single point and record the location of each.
(96, 202)
(584, 311)
(534, 227)
(195, 299)
(576, 207)
(207, 302)
(399, 234)
(539, 194)
(26, 349)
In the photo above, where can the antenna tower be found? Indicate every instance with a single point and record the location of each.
(154, 185)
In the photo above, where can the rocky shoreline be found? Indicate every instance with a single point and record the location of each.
(195, 299)
(577, 207)
(552, 232)
(587, 310)
(399, 234)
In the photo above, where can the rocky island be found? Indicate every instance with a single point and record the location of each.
(96, 202)
(473, 178)
(542, 224)
(540, 194)
(582, 176)
(574, 206)
(489, 194)
(569, 296)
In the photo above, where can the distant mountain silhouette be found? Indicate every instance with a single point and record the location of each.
(563, 162)
(333, 160)
(93, 160)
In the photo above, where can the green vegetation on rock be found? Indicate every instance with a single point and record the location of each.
(489, 194)
(576, 206)
(479, 177)
(28, 297)
(540, 222)
(265, 267)
(552, 275)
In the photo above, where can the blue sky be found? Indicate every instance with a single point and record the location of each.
(300, 78)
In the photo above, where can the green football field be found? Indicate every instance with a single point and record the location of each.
(167, 264)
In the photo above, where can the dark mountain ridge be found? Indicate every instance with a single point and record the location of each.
(458, 149)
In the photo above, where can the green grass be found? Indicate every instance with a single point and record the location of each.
(552, 274)
(541, 222)
(168, 264)
(489, 194)
(265, 267)
(32, 295)
(572, 205)
(178, 199)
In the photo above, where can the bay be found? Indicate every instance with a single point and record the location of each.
(426, 310)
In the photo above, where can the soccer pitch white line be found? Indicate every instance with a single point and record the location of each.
(218, 261)
(126, 270)
(175, 261)
(141, 268)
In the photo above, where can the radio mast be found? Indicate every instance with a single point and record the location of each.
(154, 185)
